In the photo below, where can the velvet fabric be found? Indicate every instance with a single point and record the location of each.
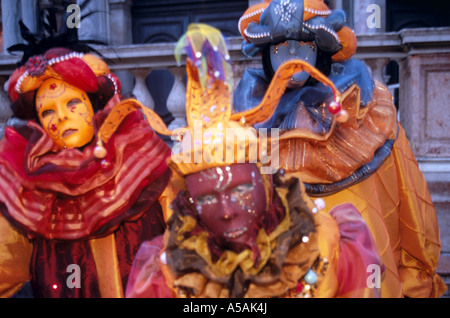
(50, 258)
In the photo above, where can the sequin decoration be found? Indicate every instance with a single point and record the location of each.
(36, 65)
(285, 9)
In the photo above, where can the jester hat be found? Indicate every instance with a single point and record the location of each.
(275, 21)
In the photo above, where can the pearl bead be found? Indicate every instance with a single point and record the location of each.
(320, 203)
(311, 277)
(99, 152)
(342, 116)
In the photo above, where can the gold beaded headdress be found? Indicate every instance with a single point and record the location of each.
(214, 134)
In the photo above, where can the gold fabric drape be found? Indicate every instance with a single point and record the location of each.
(15, 254)
(397, 207)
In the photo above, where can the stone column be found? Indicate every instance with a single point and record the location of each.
(95, 26)
(5, 110)
(252, 2)
(28, 14)
(12, 12)
(424, 82)
(140, 90)
(377, 67)
(120, 22)
(338, 4)
(176, 101)
(121, 28)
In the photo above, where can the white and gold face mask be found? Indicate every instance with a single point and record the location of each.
(65, 113)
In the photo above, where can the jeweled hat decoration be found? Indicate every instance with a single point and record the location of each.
(275, 21)
(272, 22)
(76, 68)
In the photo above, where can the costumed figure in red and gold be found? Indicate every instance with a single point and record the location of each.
(347, 150)
(83, 182)
(237, 229)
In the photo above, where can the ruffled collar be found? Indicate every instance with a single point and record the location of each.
(310, 99)
(312, 142)
(71, 194)
(286, 256)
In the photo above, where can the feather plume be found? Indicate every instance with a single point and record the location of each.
(206, 49)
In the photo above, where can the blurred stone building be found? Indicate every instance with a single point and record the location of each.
(405, 43)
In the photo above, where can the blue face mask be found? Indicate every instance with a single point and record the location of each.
(290, 50)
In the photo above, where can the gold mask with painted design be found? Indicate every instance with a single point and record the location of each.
(65, 113)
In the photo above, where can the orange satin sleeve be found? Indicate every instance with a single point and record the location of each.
(397, 207)
(365, 196)
(15, 255)
(420, 238)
